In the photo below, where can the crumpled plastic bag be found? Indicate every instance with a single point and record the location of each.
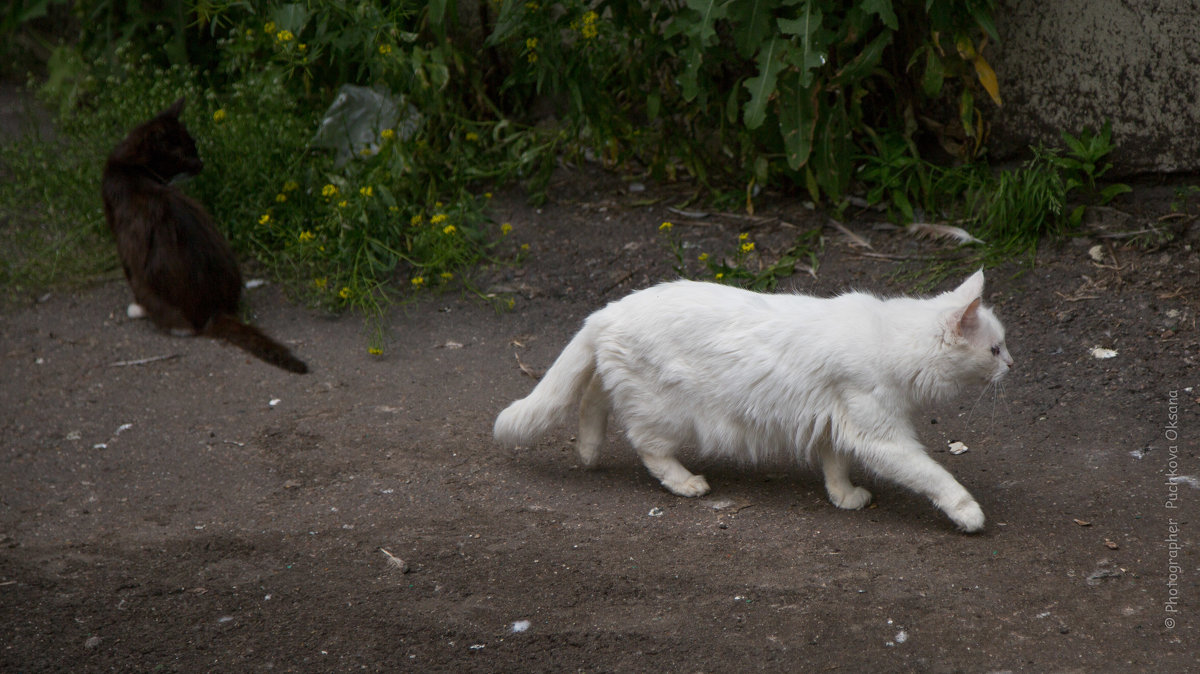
(354, 121)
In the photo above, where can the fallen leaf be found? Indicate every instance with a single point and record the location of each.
(395, 561)
(1101, 353)
(957, 447)
(525, 368)
(935, 231)
(1083, 523)
(1111, 545)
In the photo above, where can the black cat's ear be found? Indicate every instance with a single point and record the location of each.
(175, 109)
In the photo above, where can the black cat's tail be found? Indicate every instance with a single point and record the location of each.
(254, 342)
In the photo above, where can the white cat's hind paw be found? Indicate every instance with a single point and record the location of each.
(968, 516)
(694, 486)
(854, 498)
(136, 310)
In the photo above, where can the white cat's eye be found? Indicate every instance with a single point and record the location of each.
(996, 350)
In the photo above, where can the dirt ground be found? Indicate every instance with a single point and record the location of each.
(207, 512)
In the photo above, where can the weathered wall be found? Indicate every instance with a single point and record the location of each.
(1064, 64)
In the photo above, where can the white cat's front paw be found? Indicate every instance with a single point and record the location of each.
(854, 498)
(136, 310)
(968, 516)
(694, 486)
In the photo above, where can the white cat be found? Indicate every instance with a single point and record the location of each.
(750, 375)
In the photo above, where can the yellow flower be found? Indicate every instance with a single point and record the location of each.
(487, 195)
(472, 136)
(281, 197)
(329, 190)
(387, 134)
(320, 282)
(511, 303)
(344, 293)
(269, 27)
(219, 115)
(743, 236)
(446, 276)
(747, 247)
(531, 43)
(301, 46)
(285, 36)
(437, 219)
(720, 275)
(394, 209)
(505, 229)
(524, 246)
(449, 229)
(532, 58)
(385, 49)
(375, 351)
(438, 204)
(264, 219)
(291, 186)
(532, 6)
(367, 191)
(665, 227)
(418, 281)
(703, 257)
(589, 31)
(342, 203)
(306, 236)
(415, 220)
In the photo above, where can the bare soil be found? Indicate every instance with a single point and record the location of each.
(207, 512)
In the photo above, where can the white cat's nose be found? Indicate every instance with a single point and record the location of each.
(1004, 356)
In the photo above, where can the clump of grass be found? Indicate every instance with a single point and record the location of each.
(744, 264)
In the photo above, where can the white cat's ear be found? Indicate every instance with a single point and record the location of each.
(965, 321)
(971, 288)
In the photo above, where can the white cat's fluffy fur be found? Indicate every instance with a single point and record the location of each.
(750, 375)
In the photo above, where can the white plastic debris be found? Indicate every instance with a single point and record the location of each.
(901, 637)
(519, 626)
(655, 512)
(957, 447)
(274, 402)
(1189, 480)
(1096, 252)
(255, 283)
(1102, 353)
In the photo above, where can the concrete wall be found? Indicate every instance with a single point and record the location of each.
(1064, 64)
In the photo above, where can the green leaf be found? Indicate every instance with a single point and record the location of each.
(753, 27)
(1112, 191)
(884, 9)
(762, 87)
(935, 74)
(808, 52)
(860, 66)
(689, 84)
(710, 11)
(797, 119)
(292, 16)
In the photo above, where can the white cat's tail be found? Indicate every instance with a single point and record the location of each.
(554, 397)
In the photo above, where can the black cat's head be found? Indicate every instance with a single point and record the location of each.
(163, 145)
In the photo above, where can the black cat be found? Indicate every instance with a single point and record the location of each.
(182, 271)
